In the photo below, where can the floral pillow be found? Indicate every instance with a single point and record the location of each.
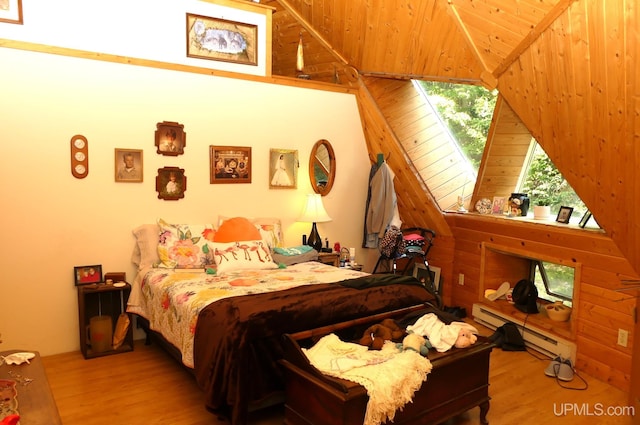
(270, 230)
(241, 255)
(184, 246)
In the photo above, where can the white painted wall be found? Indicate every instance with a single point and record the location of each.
(52, 222)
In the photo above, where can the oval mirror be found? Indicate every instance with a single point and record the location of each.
(322, 167)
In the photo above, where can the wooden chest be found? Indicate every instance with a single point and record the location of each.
(458, 382)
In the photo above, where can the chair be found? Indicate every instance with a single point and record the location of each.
(411, 244)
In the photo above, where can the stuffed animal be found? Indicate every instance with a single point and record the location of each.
(415, 342)
(375, 336)
(444, 336)
(465, 338)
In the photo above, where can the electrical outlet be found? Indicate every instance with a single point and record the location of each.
(460, 279)
(623, 336)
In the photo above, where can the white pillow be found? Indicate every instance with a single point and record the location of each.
(241, 255)
(145, 253)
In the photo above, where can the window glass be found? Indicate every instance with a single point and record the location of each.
(553, 281)
(545, 185)
(467, 111)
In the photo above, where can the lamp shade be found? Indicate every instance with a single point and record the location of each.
(314, 211)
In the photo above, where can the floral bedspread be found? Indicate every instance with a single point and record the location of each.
(171, 300)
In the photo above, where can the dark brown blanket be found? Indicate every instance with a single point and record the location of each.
(238, 340)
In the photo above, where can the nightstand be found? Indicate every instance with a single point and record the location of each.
(331, 258)
(99, 306)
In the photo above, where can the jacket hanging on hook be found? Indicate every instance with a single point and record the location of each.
(382, 205)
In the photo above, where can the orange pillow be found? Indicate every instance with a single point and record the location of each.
(237, 229)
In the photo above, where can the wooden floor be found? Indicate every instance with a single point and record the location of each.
(147, 387)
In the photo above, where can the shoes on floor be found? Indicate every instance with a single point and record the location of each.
(560, 368)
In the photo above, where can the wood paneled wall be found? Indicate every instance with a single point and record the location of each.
(416, 126)
(600, 312)
(577, 89)
(505, 153)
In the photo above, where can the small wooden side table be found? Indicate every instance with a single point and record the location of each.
(331, 258)
(99, 300)
(36, 404)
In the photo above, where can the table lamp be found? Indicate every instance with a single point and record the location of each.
(314, 212)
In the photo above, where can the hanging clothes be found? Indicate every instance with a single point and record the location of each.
(372, 172)
(382, 208)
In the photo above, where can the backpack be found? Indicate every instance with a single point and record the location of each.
(525, 296)
(392, 245)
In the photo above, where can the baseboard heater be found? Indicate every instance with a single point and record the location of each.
(534, 338)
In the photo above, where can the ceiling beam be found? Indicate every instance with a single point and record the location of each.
(309, 28)
(533, 35)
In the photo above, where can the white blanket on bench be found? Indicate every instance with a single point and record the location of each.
(391, 377)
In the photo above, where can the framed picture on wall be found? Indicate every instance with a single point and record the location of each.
(171, 183)
(85, 275)
(170, 138)
(229, 164)
(11, 11)
(221, 40)
(128, 165)
(283, 169)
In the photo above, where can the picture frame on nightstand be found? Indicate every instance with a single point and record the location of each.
(86, 275)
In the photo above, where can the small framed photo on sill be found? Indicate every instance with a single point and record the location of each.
(564, 215)
(86, 275)
(585, 219)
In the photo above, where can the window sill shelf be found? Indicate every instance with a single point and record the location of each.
(540, 320)
(528, 219)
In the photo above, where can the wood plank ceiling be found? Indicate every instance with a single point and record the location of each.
(565, 67)
(469, 41)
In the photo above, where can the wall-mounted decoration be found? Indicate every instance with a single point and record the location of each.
(283, 169)
(564, 214)
(229, 164)
(221, 40)
(11, 11)
(128, 165)
(171, 183)
(79, 156)
(322, 167)
(170, 138)
(85, 275)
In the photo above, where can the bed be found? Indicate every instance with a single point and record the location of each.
(225, 320)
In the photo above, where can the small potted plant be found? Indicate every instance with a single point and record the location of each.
(542, 210)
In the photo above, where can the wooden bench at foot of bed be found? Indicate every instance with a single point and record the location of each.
(459, 381)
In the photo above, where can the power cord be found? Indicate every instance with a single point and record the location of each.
(531, 352)
(556, 368)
